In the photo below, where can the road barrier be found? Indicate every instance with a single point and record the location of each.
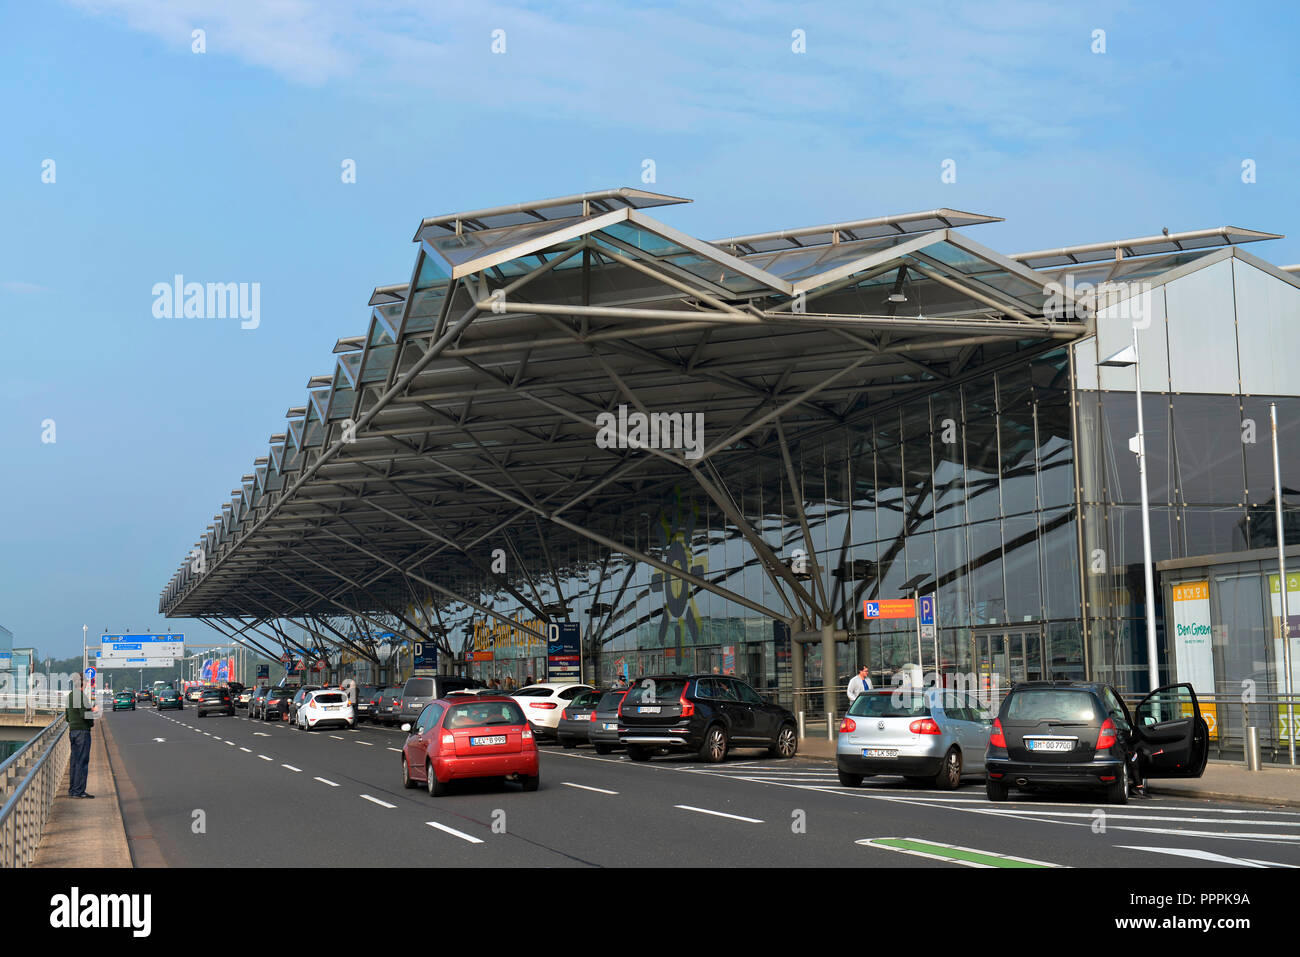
(29, 781)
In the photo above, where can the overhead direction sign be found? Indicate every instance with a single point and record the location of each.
(170, 647)
(889, 608)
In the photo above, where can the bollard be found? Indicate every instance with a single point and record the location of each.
(830, 725)
(1252, 749)
(803, 732)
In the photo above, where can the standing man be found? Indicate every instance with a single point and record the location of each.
(80, 722)
(858, 684)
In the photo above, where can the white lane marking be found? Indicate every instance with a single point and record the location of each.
(451, 830)
(377, 801)
(260, 734)
(586, 787)
(264, 757)
(324, 781)
(1113, 816)
(734, 817)
(160, 740)
(1202, 855)
(290, 767)
(246, 750)
(231, 743)
(366, 743)
(338, 737)
(398, 750)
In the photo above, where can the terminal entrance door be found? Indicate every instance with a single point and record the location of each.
(1005, 656)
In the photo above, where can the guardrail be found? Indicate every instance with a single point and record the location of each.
(29, 781)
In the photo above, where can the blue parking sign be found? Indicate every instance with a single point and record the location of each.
(927, 610)
(871, 609)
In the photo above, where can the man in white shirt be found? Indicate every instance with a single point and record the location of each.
(858, 684)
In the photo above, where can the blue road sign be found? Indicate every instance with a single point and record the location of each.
(90, 675)
(871, 609)
(927, 610)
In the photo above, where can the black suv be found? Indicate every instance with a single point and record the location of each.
(276, 703)
(216, 699)
(706, 714)
(1081, 734)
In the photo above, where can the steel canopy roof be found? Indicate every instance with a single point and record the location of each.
(465, 416)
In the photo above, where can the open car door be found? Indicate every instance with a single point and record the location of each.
(1173, 740)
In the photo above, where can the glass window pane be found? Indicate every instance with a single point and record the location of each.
(1018, 442)
(1060, 565)
(981, 436)
(1119, 425)
(1207, 442)
(988, 601)
(1024, 594)
(1259, 453)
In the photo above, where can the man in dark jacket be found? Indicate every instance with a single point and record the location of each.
(80, 721)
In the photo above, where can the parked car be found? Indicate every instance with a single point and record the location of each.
(195, 693)
(257, 700)
(275, 706)
(243, 697)
(928, 735)
(704, 714)
(170, 698)
(544, 702)
(603, 732)
(419, 691)
(389, 706)
(366, 697)
(575, 719)
(216, 699)
(1081, 734)
(124, 701)
(296, 701)
(324, 708)
(479, 736)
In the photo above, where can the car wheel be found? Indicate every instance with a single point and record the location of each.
(995, 790)
(850, 780)
(638, 753)
(1117, 793)
(407, 781)
(949, 776)
(787, 743)
(530, 782)
(714, 748)
(436, 787)
(604, 748)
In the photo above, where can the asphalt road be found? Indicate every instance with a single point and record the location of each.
(271, 795)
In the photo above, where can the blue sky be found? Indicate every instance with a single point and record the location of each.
(225, 166)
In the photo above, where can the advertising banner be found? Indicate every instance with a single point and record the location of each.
(424, 656)
(889, 608)
(1279, 658)
(1193, 645)
(728, 659)
(206, 673)
(563, 654)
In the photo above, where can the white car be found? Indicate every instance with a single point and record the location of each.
(543, 703)
(326, 708)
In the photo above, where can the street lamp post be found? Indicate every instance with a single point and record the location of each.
(1128, 356)
(1281, 588)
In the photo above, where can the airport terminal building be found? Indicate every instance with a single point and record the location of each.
(710, 453)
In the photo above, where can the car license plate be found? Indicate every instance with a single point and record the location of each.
(1048, 744)
(611, 727)
(880, 752)
(488, 740)
(648, 710)
(333, 707)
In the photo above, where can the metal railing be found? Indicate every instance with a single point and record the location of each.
(29, 781)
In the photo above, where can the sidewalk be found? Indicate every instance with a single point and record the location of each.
(86, 833)
(1222, 780)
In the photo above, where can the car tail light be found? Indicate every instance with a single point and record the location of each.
(547, 705)
(564, 715)
(448, 739)
(848, 724)
(997, 739)
(527, 735)
(1108, 735)
(688, 707)
(924, 726)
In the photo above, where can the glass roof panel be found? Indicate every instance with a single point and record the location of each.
(468, 246)
(378, 361)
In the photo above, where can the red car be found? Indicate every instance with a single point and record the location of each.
(469, 737)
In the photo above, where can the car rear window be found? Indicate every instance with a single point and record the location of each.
(1048, 704)
(890, 704)
(481, 713)
(653, 690)
(533, 693)
(330, 698)
(214, 693)
(588, 699)
(610, 700)
(418, 688)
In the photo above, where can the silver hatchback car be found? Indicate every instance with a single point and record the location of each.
(928, 735)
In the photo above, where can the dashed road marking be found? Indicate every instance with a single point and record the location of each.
(587, 787)
(264, 757)
(326, 781)
(373, 800)
(451, 830)
(734, 817)
(290, 767)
